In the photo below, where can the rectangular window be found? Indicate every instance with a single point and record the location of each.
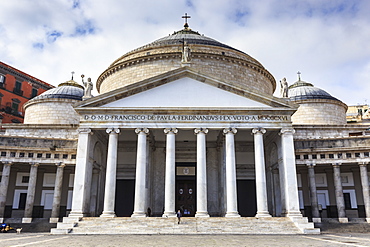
(48, 156)
(73, 156)
(15, 106)
(314, 156)
(25, 179)
(56, 156)
(297, 157)
(22, 201)
(65, 156)
(2, 81)
(357, 155)
(34, 92)
(30, 155)
(3, 154)
(322, 156)
(366, 154)
(340, 155)
(21, 155)
(348, 155)
(18, 88)
(305, 156)
(347, 200)
(331, 156)
(12, 154)
(39, 155)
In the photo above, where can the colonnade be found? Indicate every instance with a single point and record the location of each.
(288, 169)
(338, 191)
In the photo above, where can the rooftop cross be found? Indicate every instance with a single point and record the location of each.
(299, 75)
(72, 74)
(186, 17)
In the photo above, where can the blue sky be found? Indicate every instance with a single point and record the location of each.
(327, 41)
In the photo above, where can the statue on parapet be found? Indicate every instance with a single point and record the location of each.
(88, 88)
(284, 88)
(186, 53)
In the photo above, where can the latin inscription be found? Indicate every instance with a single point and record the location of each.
(187, 118)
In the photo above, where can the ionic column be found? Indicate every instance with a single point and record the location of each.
(4, 188)
(141, 161)
(259, 156)
(110, 181)
(231, 193)
(57, 193)
(339, 194)
(201, 173)
(289, 173)
(313, 193)
(80, 186)
(365, 189)
(30, 194)
(170, 177)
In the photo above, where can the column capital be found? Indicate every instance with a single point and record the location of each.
(34, 164)
(8, 163)
(60, 164)
(85, 131)
(200, 130)
(113, 131)
(363, 163)
(310, 165)
(287, 131)
(337, 164)
(170, 130)
(142, 130)
(258, 131)
(229, 130)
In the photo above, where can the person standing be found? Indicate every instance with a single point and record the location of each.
(178, 214)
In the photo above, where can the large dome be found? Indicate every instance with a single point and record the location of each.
(208, 56)
(316, 106)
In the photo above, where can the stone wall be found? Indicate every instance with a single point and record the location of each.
(320, 111)
(51, 111)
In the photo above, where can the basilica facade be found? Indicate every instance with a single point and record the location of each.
(185, 123)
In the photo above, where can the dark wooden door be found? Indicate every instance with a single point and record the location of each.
(185, 197)
(124, 203)
(247, 202)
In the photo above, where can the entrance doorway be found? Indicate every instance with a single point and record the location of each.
(186, 189)
(124, 203)
(247, 202)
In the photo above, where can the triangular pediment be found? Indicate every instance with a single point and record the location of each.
(184, 88)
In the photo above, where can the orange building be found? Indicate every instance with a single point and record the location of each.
(16, 88)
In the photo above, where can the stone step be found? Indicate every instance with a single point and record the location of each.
(212, 225)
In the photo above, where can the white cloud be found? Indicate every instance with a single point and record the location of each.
(326, 40)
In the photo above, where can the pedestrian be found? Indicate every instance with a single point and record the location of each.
(178, 214)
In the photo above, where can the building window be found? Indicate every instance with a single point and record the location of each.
(21, 155)
(34, 92)
(297, 156)
(314, 156)
(65, 156)
(347, 200)
(366, 154)
(357, 155)
(2, 80)
(15, 106)
(56, 156)
(30, 155)
(73, 156)
(348, 155)
(340, 155)
(322, 156)
(331, 156)
(48, 156)
(25, 179)
(305, 156)
(18, 88)
(3, 154)
(12, 154)
(39, 155)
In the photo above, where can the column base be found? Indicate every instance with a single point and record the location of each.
(202, 214)
(53, 220)
(108, 215)
(76, 214)
(232, 214)
(1, 220)
(26, 220)
(316, 220)
(343, 220)
(262, 215)
(367, 220)
(169, 215)
(293, 214)
(138, 214)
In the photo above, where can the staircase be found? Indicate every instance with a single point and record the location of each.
(158, 225)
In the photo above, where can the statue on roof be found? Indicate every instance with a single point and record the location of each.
(284, 88)
(186, 53)
(88, 88)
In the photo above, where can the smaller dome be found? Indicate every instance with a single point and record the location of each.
(66, 90)
(302, 90)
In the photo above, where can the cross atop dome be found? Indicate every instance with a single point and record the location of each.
(186, 17)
